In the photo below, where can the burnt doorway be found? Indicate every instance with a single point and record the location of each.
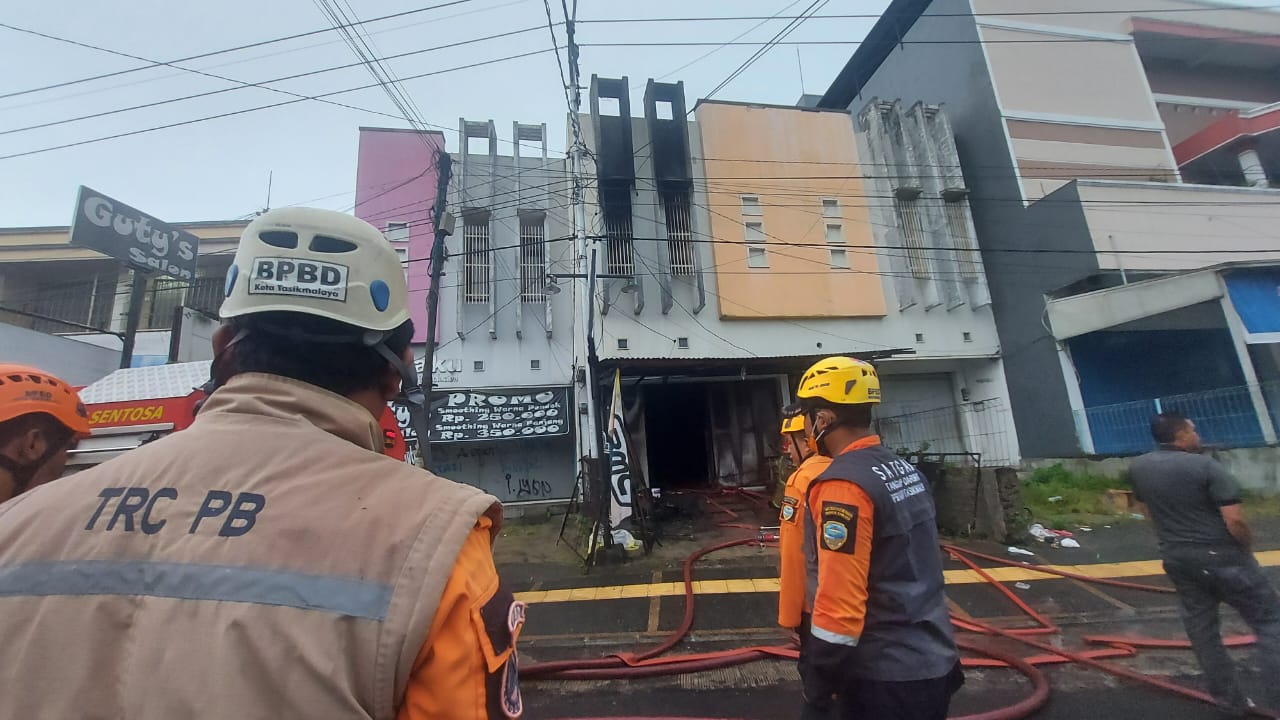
(676, 435)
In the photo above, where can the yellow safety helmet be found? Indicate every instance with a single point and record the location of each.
(842, 381)
(792, 419)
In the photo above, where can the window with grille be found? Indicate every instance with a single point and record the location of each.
(476, 260)
(206, 293)
(83, 300)
(751, 205)
(679, 233)
(617, 230)
(533, 260)
(830, 208)
(913, 237)
(167, 295)
(962, 239)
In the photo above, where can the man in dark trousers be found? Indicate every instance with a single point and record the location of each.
(1206, 545)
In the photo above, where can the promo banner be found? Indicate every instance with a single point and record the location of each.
(473, 416)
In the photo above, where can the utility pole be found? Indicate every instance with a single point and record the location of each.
(137, 296)
(584, 274)
(442, 224)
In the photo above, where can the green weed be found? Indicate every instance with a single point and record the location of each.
(1080, 498)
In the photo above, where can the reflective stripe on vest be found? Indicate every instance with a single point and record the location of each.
(323, 593)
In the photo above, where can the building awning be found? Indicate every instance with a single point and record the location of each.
(715, 367)
(1255, 293)
(1102, 309)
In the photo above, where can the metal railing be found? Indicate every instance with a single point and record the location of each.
(1225, 416)
(533, 261)
(68, 309)
(974, 427)
(475, 261)
(679, 234)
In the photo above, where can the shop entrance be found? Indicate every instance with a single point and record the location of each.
(676, 435)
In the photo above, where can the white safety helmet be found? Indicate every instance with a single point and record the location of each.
(317, 262)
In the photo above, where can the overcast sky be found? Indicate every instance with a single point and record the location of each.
(218, 169)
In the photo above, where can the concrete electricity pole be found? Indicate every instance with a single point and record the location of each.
(442, 225)
(584, 266)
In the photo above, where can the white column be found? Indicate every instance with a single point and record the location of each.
(1236, 326)
(1251, 165)
(1084, 436)
(120, 302)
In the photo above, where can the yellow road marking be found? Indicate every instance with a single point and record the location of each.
(1024, 573)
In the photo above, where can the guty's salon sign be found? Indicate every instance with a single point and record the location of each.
(125, 233)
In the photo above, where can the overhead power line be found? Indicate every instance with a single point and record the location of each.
(239, 84)
(263, 107)
(224, 51)
(875, 16)
(773, 42)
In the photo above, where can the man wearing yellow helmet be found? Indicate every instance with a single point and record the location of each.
(41, 419)
(881, 639)
(270, 560)
(793, 613)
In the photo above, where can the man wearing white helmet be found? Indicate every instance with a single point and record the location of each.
(268, 561)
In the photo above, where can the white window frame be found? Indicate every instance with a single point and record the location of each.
(839, 258)
(757, 253)
(751, 206)
(833, 209)
(396, 232)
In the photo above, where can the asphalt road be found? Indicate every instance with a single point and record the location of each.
(770, 690)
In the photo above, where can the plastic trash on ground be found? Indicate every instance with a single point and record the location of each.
(1068, 543)
(1022, 585)
(1019, 551)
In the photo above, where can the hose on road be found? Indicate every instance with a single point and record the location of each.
(983, 654)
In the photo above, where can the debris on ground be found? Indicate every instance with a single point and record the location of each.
(1019, 551)
(1055, 499)
(1022, 585)
(1137, 516)
(1056, 538)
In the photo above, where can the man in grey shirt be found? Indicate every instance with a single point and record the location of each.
(1206, 547)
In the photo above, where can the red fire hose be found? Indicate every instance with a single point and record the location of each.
(648, 663)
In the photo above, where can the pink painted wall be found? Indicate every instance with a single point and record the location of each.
(396, 182)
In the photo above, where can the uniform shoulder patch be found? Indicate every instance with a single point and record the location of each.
(789, 505)
(839, 527)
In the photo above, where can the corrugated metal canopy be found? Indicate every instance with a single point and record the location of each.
(148, 383)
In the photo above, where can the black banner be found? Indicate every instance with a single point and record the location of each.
(470, 416)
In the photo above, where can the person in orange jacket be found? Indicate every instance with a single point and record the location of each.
(41, 420)
(881, 642)
(793, 612)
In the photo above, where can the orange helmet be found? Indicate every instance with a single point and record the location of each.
(25, 390)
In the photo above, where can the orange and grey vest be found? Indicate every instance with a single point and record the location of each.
(907, 633)
(267, 562)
